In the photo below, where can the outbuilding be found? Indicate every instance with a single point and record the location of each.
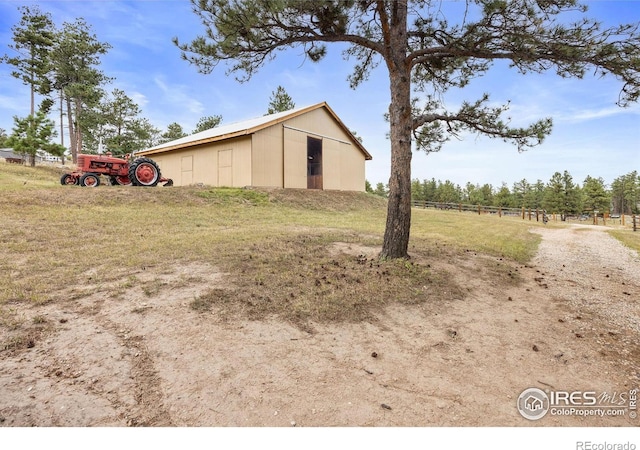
(308, 148)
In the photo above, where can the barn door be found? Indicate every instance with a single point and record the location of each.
(225, 168)
(186, 170)
(314, 163)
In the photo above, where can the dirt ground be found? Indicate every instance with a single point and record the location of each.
(573, 324)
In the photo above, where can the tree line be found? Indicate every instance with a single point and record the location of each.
(560, 195)
(61, 65)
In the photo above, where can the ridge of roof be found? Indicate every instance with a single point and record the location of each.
(246, 127)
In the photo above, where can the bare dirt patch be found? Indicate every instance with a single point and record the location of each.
(148, 355)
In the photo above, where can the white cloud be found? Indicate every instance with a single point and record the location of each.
(15, 104)
(139, 98)
(177, 96)
(14, 99)
(601, 113)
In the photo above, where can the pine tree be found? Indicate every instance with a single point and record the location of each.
(174, 131)
(33, 40)
(115, 125)
(207, 122)
(32, 134)
(280, 101)
(503, 197)
(3, 138)
(75, 59)
(595, 196)
(625, 191)
(562, 195)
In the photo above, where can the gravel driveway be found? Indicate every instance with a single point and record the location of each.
(592, 271)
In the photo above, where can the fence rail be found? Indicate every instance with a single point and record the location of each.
(525, 213)
(479, 209)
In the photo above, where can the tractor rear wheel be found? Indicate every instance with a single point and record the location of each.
(144, 172)
(68, 180)
(90, 180)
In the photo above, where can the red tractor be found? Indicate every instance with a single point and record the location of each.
(124, 172)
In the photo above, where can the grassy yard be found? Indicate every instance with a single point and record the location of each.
(628, 237)
(64, 242)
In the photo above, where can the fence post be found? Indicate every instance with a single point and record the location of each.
(635, 222)
(537, 215)
(523, 213)
(499, 211)
(622, 218)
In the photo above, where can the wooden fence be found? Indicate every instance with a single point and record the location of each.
(525, 213)
(531, 214)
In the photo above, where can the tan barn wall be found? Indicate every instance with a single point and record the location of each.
(267, 157)
(225, 163)
(352, 165)
(295, 159)
(343, 164)
(319, 121)
(331, 176)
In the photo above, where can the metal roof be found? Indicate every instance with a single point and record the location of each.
(246, 127)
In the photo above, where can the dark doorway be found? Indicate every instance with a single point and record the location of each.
(314, 163)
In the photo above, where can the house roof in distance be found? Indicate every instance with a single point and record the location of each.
(247, 127)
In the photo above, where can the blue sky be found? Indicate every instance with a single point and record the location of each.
(592, 136)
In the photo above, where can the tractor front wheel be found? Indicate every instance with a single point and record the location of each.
(68, 180)
(90, 180)
(144, 172)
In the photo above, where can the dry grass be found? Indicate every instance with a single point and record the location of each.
(61, 243)
(18, 177)
(298, 279)
(506, 237)
(628, 237)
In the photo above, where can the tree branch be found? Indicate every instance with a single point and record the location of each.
(431, 128)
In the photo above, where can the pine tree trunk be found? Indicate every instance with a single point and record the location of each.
(396, 235)
(33, 101)
(62, 121)
(72, 133)
(32, 84)
(78, 127)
